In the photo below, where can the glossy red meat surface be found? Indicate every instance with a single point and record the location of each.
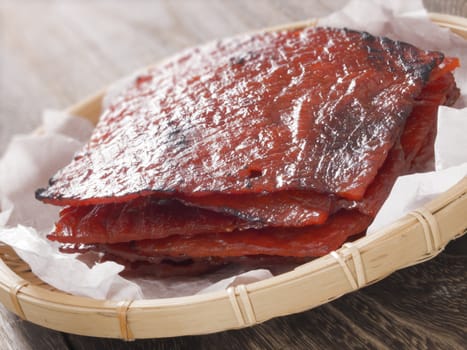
(314, 109)
(142, 218)
(310, 241)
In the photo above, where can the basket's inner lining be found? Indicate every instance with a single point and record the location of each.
(21, 268)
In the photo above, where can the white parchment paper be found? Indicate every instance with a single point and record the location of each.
(31, 159)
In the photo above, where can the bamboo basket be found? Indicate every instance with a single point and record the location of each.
(417, 237)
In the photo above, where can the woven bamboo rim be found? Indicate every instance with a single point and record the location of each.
(417, 237)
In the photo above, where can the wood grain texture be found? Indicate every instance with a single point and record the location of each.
(53, 54)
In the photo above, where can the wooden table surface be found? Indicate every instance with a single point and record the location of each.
(54, 53)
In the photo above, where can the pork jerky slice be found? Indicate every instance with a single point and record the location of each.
(141, 218)
(311, 241)
(310, 109)
(152, 218)
(304, 242)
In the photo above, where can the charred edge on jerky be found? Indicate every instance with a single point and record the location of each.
(408, 58)
(253, 220)
(41, 194)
